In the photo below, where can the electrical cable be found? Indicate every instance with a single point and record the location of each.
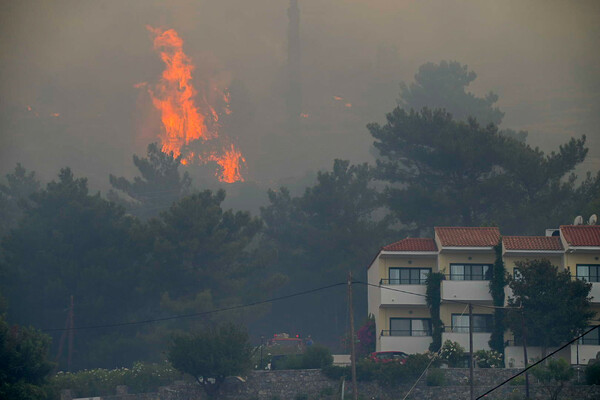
(424, 295)
(198, 314)
(533, 365)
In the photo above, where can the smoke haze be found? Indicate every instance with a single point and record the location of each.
(69, 69)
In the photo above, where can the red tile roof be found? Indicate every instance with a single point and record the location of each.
(532, 243)
(412, 244)
(467, 236)
(581, 235)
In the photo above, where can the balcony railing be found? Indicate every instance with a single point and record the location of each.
(420, 281)
(402, 332)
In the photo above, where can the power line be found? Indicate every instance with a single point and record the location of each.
(450, 301)
(533, 365)
(198, 314)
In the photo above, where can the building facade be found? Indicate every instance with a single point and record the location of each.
(466, 255)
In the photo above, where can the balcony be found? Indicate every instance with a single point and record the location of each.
(480, 339)
(595, 292)
(402, 294)
(466, 291)
(407, 344)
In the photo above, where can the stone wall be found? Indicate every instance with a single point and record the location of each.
(312, 385)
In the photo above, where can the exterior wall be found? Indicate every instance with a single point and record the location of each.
(466, 291)
(373, 293)
(572, 259)
(514, 355)
(407, 344)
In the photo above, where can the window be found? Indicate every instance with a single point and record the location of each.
(588, 273)
(592, 338)
(481, 323)
(470, 272)
(410, 327)
(408, 276)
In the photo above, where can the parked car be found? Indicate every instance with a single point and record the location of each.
(389, 356)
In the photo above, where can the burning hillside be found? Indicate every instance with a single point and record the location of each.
(190, 117)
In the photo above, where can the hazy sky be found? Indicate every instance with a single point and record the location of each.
(81, 60)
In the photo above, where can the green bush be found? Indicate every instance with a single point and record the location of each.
(519, 380)
(336, 372)
(301, 396)
(317, 356)
(140, 378)
(393, 373)
(453, 353)
(416, 363)
(435, 377)
(488, 359)
(592, 374)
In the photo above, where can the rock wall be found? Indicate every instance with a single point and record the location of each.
(312, 385)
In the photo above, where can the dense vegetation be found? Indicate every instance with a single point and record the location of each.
(158, 247)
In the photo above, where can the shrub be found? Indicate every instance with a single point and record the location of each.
(336, 372)
(416, 363)
(317, 356)
(301, 396)
(488, 359)
(99, 382)
(436, 377)
(554, 376)
(519, 380)
(366, 370)
(328, 391)
(592, 374)
(453, 353)
(392, 374)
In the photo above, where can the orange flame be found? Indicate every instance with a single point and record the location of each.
(183, 120)
(337, 98)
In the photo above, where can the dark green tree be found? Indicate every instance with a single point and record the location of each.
(434, 299)
(159, 185)
(72, 243)
(211, 355)
(319, 236)
(18, 187)
(444, 85)
(555, 308)
(443, 172)
(497, 285)
(204, 257)
(25, 367)
(554, 376)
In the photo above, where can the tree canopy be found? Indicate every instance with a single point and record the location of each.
(20, 184)
(441, 171)
(444, 85)
(25, 365)
(159, 185)
(212, 354)
(555, 308)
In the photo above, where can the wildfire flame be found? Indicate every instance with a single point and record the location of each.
(183, 120)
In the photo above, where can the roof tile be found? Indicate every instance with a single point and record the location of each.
(532, 243)
(467, 236)
(412, 244)
(581, 235)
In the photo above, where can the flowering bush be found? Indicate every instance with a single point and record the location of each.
(453, 353)
(140, 378)
(488, 359)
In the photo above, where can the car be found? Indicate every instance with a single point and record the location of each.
(388, 356)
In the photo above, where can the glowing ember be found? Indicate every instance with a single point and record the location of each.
(184, 121)
(304, 115)
(337, 98)
(348, 105)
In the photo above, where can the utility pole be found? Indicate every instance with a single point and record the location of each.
(352, 341)
(471, 351)
(524, 330)
(71, 333)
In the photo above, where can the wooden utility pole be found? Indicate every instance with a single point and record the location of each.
(352, 341)
(524, 330)
(71, 333)
(471, 351)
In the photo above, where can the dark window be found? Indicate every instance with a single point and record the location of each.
(481, 323)
(410, 327)
(589, 273)
(470, 272)
(592, 338)
(408, 276)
